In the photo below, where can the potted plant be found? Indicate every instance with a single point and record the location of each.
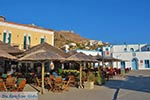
(90, 81)
(99, 79)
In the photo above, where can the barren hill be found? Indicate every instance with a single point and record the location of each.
(66, 37)
(75, 41)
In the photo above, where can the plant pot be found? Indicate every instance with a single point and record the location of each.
(89, 85)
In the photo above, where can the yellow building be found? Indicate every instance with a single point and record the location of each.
(24, 36)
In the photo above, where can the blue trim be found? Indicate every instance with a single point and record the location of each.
(24, 42)
(135, 64)
(9, 38)
(147, 64)
(4, 37)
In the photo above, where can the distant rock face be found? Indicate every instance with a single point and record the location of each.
(67, 37)
(75, 41)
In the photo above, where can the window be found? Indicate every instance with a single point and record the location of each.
(125, 49)
(148, 49)
(147, 64)
(123, 64)
(131, 49)
(4, 37)
(99, 49)
(7, 37)
(106, 49)
(27, 41)
(42, 40)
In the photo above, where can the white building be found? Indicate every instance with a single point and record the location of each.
(90, 52)
(135, 56)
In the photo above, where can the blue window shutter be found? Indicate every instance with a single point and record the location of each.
(9, 39)
(146, 63)
(4, 37)
(29, 41)
(24, 42)
(42, 40)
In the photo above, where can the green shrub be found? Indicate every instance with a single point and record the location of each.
(90, 77)
(60, 71)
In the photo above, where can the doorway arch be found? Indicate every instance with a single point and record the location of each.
(134, 64)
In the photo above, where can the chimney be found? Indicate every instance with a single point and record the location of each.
(2, 18)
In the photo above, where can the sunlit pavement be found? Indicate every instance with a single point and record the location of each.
(134, 86)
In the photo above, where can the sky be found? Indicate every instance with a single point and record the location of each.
(113, 21)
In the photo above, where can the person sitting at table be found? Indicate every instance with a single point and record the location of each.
(20, 77)
(54, 74)
(10, 81)
(1, 79)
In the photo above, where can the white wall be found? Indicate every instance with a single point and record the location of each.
(128, 56)
(90, 52)
(120, 48)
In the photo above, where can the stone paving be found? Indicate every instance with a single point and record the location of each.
(134, 86)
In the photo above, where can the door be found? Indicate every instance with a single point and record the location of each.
(134, 64)
(123, 65)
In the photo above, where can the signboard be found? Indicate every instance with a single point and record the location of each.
(107, 53)
(18, 96)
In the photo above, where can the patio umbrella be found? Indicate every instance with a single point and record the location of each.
(111, 59)
(9, 49)
(81, 57)
(106, 59)
(5, 55)
(42, 54)
(44, 46)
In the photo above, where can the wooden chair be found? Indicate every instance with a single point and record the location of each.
(10, 82)
(20, 87)
(58, 83)
(72, 80)
(37, 81)
(66, 84)
(52, 78)
(2, 86)
(48, 83)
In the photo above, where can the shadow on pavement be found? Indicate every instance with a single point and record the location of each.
(116, 94)
(135, 83)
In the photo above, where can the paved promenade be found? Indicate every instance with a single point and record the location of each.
(134, 86)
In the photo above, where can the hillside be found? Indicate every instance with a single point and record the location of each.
(65, 37)
(62, 38)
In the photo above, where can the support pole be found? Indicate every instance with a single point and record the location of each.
(80, 84)
(42, 88)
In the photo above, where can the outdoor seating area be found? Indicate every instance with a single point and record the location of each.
(12, 84)
(67, 78)
(47, 67)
